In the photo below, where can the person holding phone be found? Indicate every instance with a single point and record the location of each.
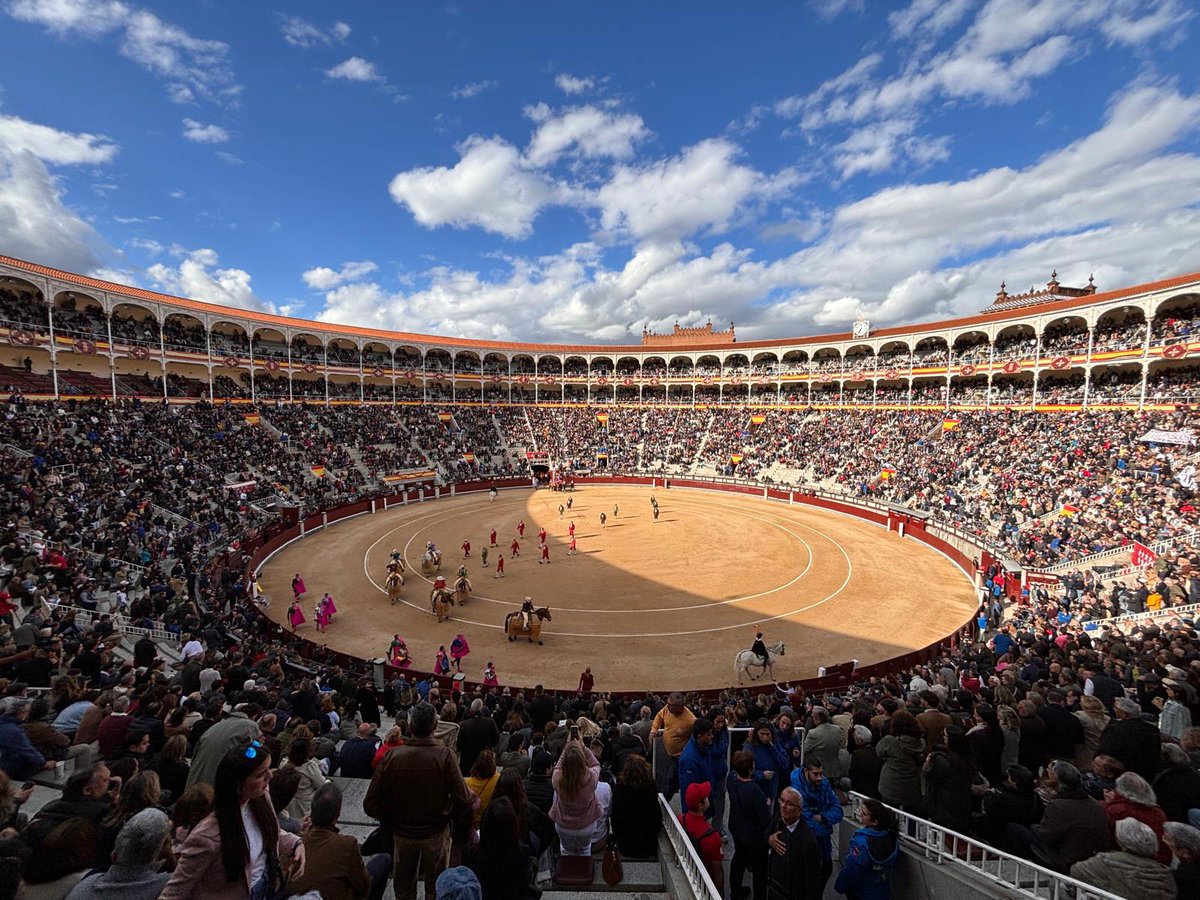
(581, 800)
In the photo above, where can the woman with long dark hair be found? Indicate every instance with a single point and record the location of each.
(950, 774)
(872, 854)
(500, 860)
(239, 851)
(142, 791)
(636, 821)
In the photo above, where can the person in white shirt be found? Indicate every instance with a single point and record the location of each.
(193, 647)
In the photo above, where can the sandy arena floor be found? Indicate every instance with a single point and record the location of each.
(645, 604)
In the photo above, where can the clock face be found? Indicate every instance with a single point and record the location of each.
(861, 329)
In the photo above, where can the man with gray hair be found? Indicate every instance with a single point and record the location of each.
(1184, 841)
(1131, 739)
(1132, 870)
(19, 759)
(476, 734)
(142, 846)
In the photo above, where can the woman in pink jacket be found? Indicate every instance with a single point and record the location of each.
(239, 850)
(581, 801)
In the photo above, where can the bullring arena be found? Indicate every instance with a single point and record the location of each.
(643, 603)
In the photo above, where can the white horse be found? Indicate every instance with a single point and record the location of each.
(747, 659)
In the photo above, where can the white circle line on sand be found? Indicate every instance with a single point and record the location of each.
(609, 611)
(626, 635)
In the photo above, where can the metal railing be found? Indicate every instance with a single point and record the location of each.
(693, 867)
(123, 624)
(1158, 547)
(945, 847)
(1151, 615)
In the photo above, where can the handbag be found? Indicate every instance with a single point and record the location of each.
(612, 869)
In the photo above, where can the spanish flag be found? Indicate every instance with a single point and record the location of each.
(757, 419)
(602, 418)
(444, 417)
(735, 458)
(252, 419)
(469, 457)
(950, 424)
(888, 472)
(319, 471)
(1068, 510)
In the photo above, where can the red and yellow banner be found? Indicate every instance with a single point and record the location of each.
(888, 472)
(469, 457)
(444, 417)
(602, 418)
(757, 419)
(950, 424)
(319, 471)
(392, 479)
(735, 458)
(1068, 511)
(252, 419)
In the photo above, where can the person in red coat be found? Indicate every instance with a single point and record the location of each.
(702, 833)
(1133, 798)
(516, 548)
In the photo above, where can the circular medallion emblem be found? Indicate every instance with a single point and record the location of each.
(1011, 366)
(21, 337)
(654, 380)
(139, 352)
(890, 374)
(410, 374)
(438, 376)
(85, 346)
(708, 379)
(1175, 351)
(377, 371)
(735, 381)
(523, 379)
(309, 368)
(231, 362)
(272, 365)
(968, 370)
(627, 381)
(1060, 362)
(548, 379)
(495, 379)
(602, 381)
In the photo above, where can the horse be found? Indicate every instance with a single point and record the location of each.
(393, 584)
(512, 625)
(747, 659)
(462, 589)
(431, 561)
(440, 601)
(397, 567)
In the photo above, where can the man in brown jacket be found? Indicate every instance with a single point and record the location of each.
(419, 793)
(333, 865)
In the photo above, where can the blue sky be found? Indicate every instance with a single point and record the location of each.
(579, 171)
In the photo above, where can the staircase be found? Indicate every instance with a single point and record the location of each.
(694, 467)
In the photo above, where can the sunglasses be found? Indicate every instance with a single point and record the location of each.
(254, 749)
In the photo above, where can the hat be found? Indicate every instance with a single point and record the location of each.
(1178, 673)
(696, 792)
(458, 883)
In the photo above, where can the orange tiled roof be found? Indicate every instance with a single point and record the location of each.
(631, 349)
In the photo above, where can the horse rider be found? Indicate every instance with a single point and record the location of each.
(396, 556)
(439, 582)
(527, 613)
(759, 649)
(431, 548)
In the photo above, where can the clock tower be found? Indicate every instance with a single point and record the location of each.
(862, 326)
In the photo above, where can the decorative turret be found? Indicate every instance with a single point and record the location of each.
(1054, 290)
(700, 334)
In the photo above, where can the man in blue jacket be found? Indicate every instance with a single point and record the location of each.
(19, 759)
(695, 762)
(822, 810)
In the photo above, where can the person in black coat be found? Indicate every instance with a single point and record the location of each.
(793, 860)
(356, 755)
(749, 818)
(1014, 800)
(1063, 730)
(1177, 785)
(476, 734)
(538, 788)
(1131, 739)
(635, 817)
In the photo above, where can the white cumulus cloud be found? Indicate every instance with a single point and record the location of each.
(355, 69)
(199, 133)
(592, 132)
(322, 278)
(304, 34)
(570, 84)
(199, 277)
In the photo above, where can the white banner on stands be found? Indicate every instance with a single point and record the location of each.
(1158, 436)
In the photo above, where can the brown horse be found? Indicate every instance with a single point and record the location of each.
(392, 585)
(440, 601)
(514, 630)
